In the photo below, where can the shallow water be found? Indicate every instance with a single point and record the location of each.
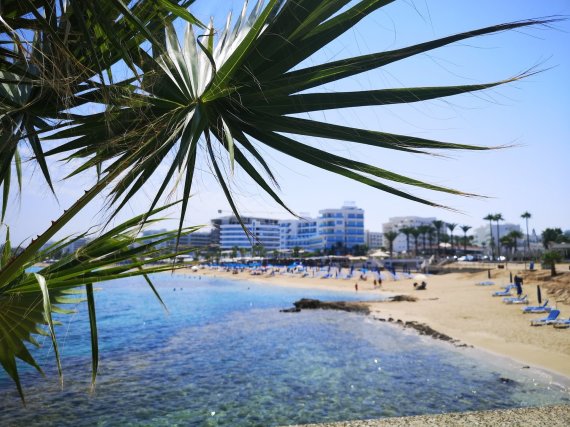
(225, 355)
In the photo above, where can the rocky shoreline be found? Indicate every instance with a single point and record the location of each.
(359, 307)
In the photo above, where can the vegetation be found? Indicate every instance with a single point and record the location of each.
(550, 259)
(391, 236)
(185, 99)
(553, 235)
(465, 229)
(526, 216)
(491, 218)
(498, 217)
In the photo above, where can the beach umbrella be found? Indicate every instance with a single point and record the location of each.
(538, 294)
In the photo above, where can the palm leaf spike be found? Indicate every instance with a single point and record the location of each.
(25, 308)
(250, 78)
(47, 310)
(93, 334)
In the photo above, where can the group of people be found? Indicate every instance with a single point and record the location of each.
(420, 287)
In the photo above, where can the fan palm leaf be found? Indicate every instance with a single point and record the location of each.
(29, 299)
(236, 91)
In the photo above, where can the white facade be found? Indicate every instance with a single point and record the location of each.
(482, 234)
(265, 231)
(373, 239)
(344, 226)
(399, 222)
(300, 233)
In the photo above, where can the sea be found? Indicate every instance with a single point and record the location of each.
(225, 355)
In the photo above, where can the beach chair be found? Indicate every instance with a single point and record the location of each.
(505, 293)
(552, 316)
(516, 300)
(561, 323)
(537, 308)
(485, 283)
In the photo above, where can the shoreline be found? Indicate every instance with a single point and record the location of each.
(452, 306)
(555, 416)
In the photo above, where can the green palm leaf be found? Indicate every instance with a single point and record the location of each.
(242, 91)
(26, 308)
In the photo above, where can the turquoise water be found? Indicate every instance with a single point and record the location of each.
(226, 356)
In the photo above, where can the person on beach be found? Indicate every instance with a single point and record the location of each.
(356, 287)
(518, 283)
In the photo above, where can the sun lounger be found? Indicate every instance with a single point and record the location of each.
(561, 323)
(538, 308)
(505, 293)
(485, 283)
(516, 300)
(552, 316)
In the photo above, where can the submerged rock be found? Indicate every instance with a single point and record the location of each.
(424, 329)
(290, 310)
(399, 298)
(314, 304)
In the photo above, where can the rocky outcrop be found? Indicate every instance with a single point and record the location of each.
(315, 304)
(407, 298)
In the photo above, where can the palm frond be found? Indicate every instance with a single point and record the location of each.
(28, 300)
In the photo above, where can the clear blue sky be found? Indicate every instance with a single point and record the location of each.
(533, 114)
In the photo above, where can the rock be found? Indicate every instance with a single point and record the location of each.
(290, 310)
(399, 298)
(313, 304)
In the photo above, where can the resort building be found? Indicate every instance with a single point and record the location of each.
(342, 227)
(483, 235)
(373, 239)
(400, 222)
(202, 239)
(300, 233)
(265, 231)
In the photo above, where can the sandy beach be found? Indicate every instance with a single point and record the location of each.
(453, 305)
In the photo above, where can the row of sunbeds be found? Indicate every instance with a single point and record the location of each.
(552, 317)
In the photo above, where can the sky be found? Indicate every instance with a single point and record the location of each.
(531, 116)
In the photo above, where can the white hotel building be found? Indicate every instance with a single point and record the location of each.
(266, 232)
(343, 226)
(399, 222)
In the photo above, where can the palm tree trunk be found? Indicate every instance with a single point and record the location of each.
(498, 242)
(527, 238)
(491, 238)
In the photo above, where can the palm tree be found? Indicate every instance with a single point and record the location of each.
(415, 232)
(438, 226)
(508, 242)
(465, 229)
(498, 217)
(451, 227)
(527, 215)
(550, 259)
(407, 231)
(183, 100)
(491, 218)
(430, 239)
(391, 236)
(234, 252)
(424, 231)
(515, 235)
